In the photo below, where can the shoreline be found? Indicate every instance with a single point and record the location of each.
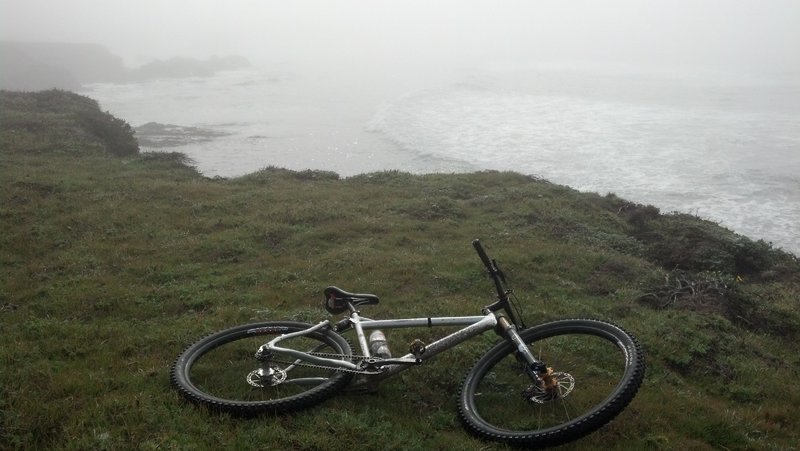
(190, 162)
(457, 129)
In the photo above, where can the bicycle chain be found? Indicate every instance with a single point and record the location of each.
(352, 358)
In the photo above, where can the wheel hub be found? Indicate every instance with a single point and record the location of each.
(269, 377)
(555, 385)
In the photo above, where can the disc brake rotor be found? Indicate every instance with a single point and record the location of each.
(558, 385)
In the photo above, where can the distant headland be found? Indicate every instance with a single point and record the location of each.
(34, 66)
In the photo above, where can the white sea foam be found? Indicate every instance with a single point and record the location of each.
(738, 167)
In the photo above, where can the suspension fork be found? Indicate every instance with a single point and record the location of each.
(534, 367)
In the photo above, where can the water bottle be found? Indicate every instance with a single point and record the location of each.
(378, 346)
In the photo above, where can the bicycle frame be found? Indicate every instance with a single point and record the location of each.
(475, 325)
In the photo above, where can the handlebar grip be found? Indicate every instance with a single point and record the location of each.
(482, 254)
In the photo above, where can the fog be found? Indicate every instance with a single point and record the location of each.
(748, 36)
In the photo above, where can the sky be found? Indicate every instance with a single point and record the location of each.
(740, 35)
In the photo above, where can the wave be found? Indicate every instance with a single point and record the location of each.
(721, 164)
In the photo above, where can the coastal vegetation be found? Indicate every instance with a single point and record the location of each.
(112, 261)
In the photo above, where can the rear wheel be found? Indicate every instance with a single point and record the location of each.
(595, 370)
(221, 371)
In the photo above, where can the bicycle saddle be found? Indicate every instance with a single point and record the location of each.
(336, 299)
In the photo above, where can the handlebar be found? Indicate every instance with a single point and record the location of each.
(482, 254)
(503, 292)
(494, 271)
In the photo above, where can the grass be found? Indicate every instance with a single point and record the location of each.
(111, 262)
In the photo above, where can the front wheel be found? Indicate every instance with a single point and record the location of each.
(222, 371)
(595, 369)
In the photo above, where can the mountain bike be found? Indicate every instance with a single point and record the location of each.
(543, 385)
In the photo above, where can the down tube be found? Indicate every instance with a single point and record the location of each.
(487, 323)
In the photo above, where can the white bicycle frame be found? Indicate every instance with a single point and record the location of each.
(475, 325)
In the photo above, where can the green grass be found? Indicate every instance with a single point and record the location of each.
(112, 262)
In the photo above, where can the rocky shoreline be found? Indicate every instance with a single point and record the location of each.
(156, 135)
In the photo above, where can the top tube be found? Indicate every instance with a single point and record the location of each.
(367, 323)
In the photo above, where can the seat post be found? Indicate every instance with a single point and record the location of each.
(355, 319)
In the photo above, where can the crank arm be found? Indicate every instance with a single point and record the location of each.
(400, 361)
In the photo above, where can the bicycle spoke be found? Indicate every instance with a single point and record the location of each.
(224, 372)
(586, 368)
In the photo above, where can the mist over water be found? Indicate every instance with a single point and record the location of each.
(309, 121)
(726, 150)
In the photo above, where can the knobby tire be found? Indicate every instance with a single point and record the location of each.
(213, 371)
(607, 367)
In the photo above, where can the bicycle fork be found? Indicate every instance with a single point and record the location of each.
(548, 385)
(534, 367)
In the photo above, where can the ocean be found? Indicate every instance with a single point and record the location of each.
(723, 148)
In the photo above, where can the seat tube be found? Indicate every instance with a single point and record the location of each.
(362, 339)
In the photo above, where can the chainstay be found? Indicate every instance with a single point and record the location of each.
(352, 358)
